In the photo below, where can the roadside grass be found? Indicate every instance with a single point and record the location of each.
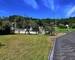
(63, 30)
(25, 47)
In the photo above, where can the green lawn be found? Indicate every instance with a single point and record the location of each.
(64, 29)
(25, 47)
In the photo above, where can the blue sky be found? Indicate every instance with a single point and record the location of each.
(38, 8)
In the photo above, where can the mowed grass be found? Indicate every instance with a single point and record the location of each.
(25, 47)
(64, 30)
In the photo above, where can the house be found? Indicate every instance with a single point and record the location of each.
(24, 31)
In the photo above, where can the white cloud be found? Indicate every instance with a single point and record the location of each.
(70, 12)
(31, 3)
(52, 4)
(49, 4)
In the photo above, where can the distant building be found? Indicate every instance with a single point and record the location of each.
(23, 31)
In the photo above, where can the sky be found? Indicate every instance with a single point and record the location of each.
(38, 8)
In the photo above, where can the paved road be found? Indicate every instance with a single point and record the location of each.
(65, 47)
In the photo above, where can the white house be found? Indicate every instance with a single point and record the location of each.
(23, 31)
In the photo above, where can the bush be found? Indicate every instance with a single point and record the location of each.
(73, 26)
(5, 30)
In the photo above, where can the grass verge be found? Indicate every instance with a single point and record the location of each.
(25, 47)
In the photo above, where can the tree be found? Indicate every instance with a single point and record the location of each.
(0, 23)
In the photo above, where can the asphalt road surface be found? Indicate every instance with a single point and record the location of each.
(65, 47)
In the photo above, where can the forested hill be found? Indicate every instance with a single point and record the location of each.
(17, 18)
(31, 18)
(22, 20)
(21, 17)
(70, 20)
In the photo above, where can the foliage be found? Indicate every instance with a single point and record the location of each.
(21, 22)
